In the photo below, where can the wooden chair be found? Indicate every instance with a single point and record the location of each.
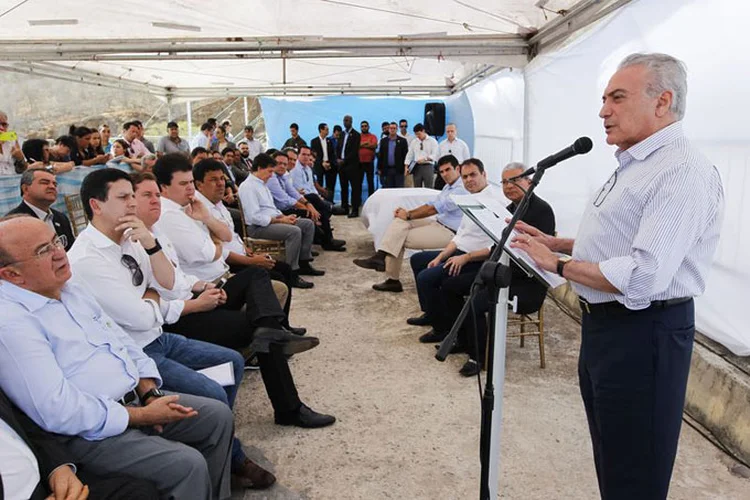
(76, 213)
(275, 248)
(529, 324)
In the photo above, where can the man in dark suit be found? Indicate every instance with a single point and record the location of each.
(57, 472)
(391, 157)
(39, 192)
(350, 172)
(325, 167)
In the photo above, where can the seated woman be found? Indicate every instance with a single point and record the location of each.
(121, 158)
(37, 152)
(105, 133)
(221, 140)
(95, 144)
(82, 155)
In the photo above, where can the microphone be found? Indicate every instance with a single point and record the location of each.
(581, 146)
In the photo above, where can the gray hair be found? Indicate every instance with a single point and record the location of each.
(27, 178)
(667, 73)
(515, 165)
(150, 156)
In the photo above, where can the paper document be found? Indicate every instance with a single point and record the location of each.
(222, 374)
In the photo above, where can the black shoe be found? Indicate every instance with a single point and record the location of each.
(298, 282)
(305, 269)
(305, 417)
(296, 330)
(470, 368)
(264, 338)
(338, 243)
(419, 320)
(388, 285)
(353, 214)
(314, 253)
(371, 263)
(431, 337)
(330, 247)
(251, 475)
(338, 210)
(456, 349)
(252, 363)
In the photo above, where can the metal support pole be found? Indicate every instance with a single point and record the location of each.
(189, 113)
(244, 102)
(169, 108)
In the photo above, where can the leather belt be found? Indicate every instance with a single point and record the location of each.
(446, 227)
(615, 308)
(128, 398)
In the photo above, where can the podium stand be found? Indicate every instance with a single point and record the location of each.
(495, 275)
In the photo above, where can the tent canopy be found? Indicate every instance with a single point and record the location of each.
(190, 49)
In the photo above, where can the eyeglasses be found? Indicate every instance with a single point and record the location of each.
(132, 265)
(58, 242)
(4, 124)
(606, 189)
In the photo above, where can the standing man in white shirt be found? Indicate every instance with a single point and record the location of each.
(254, 145)
(452, 145)
(643, 251)
(464, 253)
(403, 130)
(264, 220)
(421, 158)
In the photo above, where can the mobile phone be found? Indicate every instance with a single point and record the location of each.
(221, 283)
(8, 136)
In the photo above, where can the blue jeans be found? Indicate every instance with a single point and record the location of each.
(177, 358)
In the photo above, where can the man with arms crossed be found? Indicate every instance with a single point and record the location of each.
(643, 251)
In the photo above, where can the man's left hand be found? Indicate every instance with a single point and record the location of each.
(65, 485)
(196, 210)
(312, 213)
(543, 256)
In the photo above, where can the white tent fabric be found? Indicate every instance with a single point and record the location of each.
(321, 24)
(564, 91)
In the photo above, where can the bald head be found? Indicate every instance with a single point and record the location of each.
(32, 257)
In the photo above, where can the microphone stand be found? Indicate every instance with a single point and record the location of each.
(495, 276)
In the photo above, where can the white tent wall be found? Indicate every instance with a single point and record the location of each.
(564, 91)
(497, 108)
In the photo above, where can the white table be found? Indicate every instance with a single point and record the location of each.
(377, 213)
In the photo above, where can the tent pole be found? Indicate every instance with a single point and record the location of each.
(169, 108)
(189, 113)
(244, 102)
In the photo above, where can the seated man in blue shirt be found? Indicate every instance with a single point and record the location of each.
(412, 228)
(291, 202)
(68, 366)
(265, 220)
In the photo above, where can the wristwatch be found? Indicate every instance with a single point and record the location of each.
(154, 249)
(152, 393)
(561, 264)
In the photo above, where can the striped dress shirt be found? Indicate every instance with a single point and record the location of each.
(654, 226)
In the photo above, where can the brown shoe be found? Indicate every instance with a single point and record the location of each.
(253, 476)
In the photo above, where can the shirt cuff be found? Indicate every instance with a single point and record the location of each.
(618, 271)
(71, 465)
(173, 311)
(116, 422)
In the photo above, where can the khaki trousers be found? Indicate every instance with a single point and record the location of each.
(281, 291)
(421, 234)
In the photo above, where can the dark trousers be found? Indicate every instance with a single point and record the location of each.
(325, 215)
(350, 175)
(633, 370)
(252, 288)
(439, 183)
(330, 181)
(392, 177)
(281, 271)
(368, 171)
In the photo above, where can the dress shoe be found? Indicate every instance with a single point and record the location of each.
(305, 417)
(371, 263)
(264, 338)
(388, 285)
(305, 269)
(419, 320)
(330, 247)
(338, 243)
(470, 368)
(353, 214)
(338, 210)
(314, 253)
(431, 337)
(296, 330)
(252, 363)
(298, 282)
(251, 475)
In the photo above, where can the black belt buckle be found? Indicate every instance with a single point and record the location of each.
(128, 398)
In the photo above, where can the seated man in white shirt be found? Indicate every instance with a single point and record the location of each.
(465, 253)
(209, 182)
(70, 368)
(266, 221)
(134, 281)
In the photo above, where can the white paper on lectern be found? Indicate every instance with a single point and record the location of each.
(222, 374)
(494, 224)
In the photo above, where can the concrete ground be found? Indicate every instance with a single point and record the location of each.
(408, 425)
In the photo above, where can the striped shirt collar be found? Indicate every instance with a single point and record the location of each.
(647, 146)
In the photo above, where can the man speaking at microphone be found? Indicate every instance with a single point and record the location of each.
(643, 251)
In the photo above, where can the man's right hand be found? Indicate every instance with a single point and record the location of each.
(435, 262)
(401, 213)
(543, 238)
(264, 261)
(208, 300)
(65, 485)
(16, 152)
(159, 411)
